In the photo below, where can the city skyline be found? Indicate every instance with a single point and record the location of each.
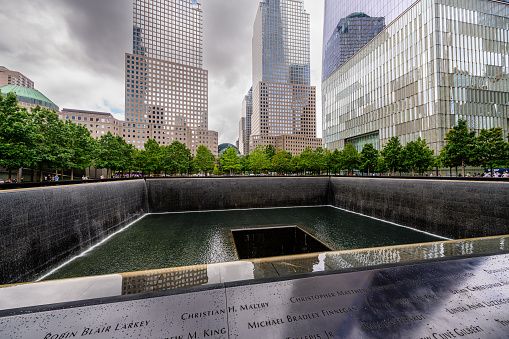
(77, 60)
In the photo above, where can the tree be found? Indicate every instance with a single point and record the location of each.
(204, 160)
(270, 150)
(154, 161)
(319, 160)
(258, 160)
(459, 150)
(230, 160)
(109, 153)
(50, 141)
(17, 135)
(369, 158)
(177, 158)
(335, 161)
(350, 157)
(244, 163)
(392, 154)
(296, 164)
(81, 145)
(418, 156)
(307, 160)
(490, 148)
(282, 162)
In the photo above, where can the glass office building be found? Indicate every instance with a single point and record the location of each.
(284, 102)
(436, 61)
(166, 85)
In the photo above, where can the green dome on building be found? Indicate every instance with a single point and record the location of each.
(29, 96)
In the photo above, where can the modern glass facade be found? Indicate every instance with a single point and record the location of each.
(342, 10)
(440, 61)
(284, 103)
(350, 35)
(166, 85)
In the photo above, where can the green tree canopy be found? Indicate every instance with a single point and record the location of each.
(369, 158)
(51, 141)
(307, 160)
(258, 160)
(204, 160)
(335, 162)
(17, 134)
(177, 158)
(110, 153)
(490, 149)
(270, 150)
(350, 157)
(319, 160)
(282, 162)
(81, 145)
(154, 159)
(418, 156)
(230, 161)
(459, 150)
(392, 153)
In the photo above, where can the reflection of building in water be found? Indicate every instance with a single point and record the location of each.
(350, 35)
(164, 279)
(433, 64)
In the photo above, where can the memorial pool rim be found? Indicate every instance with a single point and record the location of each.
(100, 209)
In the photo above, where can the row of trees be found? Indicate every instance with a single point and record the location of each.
(37, 139)
(416, 157)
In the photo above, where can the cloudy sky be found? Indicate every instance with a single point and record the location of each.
(74, 52)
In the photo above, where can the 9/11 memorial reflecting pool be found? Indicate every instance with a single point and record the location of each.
(182, 239)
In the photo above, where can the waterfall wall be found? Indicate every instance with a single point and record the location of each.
(40, 227)
(453, 209)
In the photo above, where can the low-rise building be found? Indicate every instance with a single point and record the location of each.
(98, 123)
(8, 77)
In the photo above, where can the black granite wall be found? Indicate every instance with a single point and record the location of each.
(41, 226)
(234, 193)
(454, 209)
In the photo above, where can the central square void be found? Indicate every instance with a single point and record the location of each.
(275, 241)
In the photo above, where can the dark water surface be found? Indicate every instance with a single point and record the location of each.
(181, 239)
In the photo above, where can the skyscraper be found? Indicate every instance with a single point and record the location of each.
(245, 122)
(435, 62)
(284, 103)
(166, 85)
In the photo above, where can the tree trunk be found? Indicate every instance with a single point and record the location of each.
(413, 172)
(463, 167)
(41, 175)
(72, 174)
(10, 175)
